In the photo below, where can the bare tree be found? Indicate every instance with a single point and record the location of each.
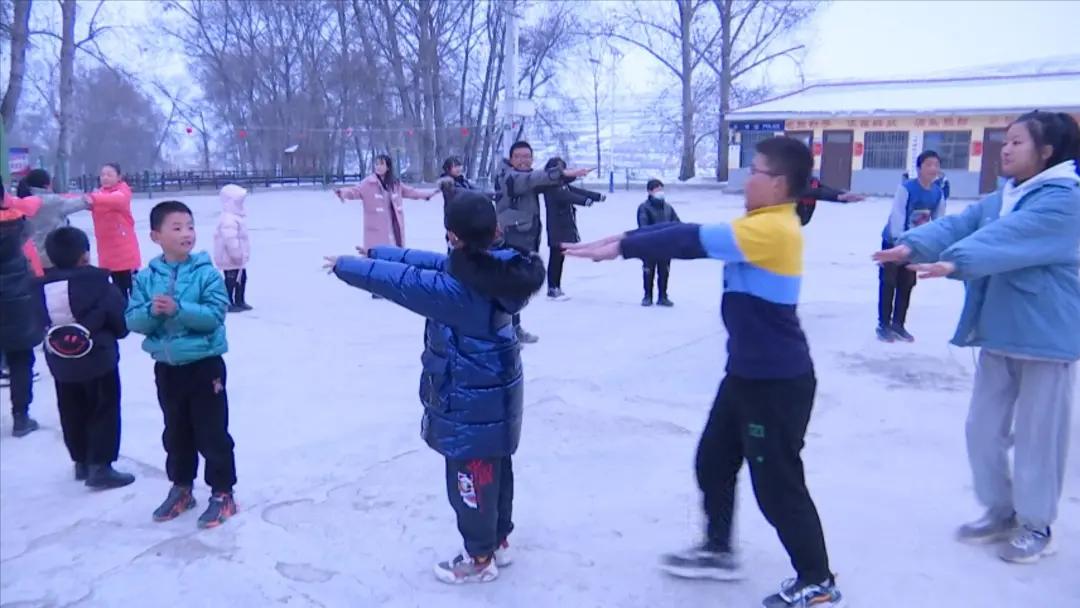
(749, 31)
(677, 38)
(18, 33)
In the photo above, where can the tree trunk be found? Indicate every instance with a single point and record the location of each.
(722, 147)
(596, 114)
(20, 41)
(428, 73)
(67, 94)
(686, 17)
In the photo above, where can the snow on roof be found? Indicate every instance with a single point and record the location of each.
(959, 95)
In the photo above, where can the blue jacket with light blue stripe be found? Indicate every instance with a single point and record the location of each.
(762, 278)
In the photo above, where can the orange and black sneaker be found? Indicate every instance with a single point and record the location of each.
(178, 501)
(221, 507)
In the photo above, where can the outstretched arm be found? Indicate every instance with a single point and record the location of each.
(428, 260)
(429, 293)
(416, 193)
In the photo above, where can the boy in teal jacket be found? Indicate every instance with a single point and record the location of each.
(179, 303)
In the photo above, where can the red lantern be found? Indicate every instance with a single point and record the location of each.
(817, 148)
(465, 131)
(242, 134)
(409, 133)
(348, 132)
(189, 130)
(859, 148)
(976, 148)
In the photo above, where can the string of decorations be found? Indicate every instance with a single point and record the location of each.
(243, 132)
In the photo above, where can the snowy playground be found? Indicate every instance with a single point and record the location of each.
(342, 504)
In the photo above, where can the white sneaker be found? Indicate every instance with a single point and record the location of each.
(464, 569)
(503, 555)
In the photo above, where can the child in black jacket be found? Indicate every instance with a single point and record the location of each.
(655, 210)
(562, 228)
(85, 314)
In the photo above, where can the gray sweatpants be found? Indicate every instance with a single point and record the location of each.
(1024, 404)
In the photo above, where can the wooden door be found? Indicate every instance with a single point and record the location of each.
(993, 141)
(837, 149)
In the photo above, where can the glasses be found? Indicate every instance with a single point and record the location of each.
(756, 171)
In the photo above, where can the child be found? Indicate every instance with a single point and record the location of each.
(85, 314)
(179, 303)
(917, 202)
(655, 210)
(232, 249)
(472, 360)
(21, 326)
(54, 211)
(114, 228)
(562, 228)
(764, 402)
(1018, 252)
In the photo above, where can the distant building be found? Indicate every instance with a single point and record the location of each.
(866, 134)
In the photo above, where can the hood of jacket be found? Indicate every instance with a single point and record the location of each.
(194, 262)
(1012, 193)
(509, 276)
(232, 199)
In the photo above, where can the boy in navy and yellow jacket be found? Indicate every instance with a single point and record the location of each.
(763, 406)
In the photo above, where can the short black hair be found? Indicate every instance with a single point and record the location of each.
(1057, 130)
(926, 154)
(471, 216)
(555, 162)
(36, 178)
(115, 167)
(163, 209)
(653, 184)
(66, 246)
(790, 159)
(450, 162)
(520, 144)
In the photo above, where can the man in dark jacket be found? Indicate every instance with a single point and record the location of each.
(820, 192)
(472, 384)
(85, 314)
(518, 205)
(559, 202)
(21, 326)
(656, 210)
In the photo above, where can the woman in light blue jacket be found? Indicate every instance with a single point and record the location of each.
(1018, 251)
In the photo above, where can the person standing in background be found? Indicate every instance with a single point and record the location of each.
(114, 228)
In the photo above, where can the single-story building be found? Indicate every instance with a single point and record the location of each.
(865, 135)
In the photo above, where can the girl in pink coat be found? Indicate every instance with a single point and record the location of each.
(114, 228)
(384, 211)
(232, 248)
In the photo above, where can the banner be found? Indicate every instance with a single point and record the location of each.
(18, 163)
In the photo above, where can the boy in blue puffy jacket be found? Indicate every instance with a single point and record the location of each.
(471, 385)
(179, 303)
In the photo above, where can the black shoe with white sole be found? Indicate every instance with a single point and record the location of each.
(702, 562)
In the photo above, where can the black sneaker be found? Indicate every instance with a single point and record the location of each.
(80, 471)
(178, 501)
(902, 334)
(525, 337)
(221, 507)
(665, 302)
(245, 306)
(702, 562)
(646, 301)
(104, 477)
(885, 334)
(235, 308)
(557, 294)
(23, 425)
(796, 594)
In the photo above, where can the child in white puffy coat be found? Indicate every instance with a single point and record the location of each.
(232, 249)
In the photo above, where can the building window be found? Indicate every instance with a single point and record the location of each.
(750, 140)
(952, 146)
(885, 150)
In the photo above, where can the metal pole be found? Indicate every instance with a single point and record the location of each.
(510, 68)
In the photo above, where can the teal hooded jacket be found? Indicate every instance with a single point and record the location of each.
(197, 329)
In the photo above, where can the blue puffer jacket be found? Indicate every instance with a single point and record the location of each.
(1022, 269)
(197, 330)
(471, 386)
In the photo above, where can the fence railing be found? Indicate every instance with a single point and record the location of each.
(186, 181)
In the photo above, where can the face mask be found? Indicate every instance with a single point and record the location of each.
(658, 196)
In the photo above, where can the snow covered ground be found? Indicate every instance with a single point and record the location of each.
(341, 503)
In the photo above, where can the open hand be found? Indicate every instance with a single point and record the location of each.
(933, 271)
(163, 305)
(607, 248)
(329, 261)
(361, 251)
(337, 193)
(851, 197)
(898, 254)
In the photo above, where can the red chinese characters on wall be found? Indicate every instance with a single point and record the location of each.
(976, 148)
(891, 123)
(859, 148)
(817, 148)
(920, 122)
